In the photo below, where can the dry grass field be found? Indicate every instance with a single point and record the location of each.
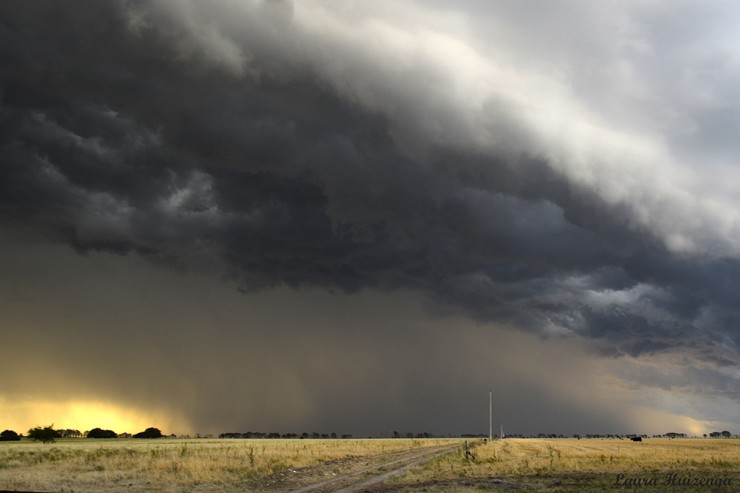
(180, 465)
(586, 465)
(204, 465)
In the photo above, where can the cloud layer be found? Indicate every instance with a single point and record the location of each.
(565, 171)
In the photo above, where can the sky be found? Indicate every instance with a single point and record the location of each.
(362, 217)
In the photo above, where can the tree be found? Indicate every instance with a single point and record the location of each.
(98, 433)
(9, 436)
(149, 433)
(726, 434)
(46, 434)
(69, 433)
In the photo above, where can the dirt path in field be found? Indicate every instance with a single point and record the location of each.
(357, 481)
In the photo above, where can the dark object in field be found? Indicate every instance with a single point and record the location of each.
(149, 433)
(99, 433)
(9, 436)
(636, 439)
(46, 434)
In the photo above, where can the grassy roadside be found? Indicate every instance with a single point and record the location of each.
(559, 465)
(204, 465)
(179, 465)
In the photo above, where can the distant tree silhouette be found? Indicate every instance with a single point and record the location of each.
(149, 433)
(726, 434)
(675, 435)
(9, 436)
(98, 433)
(69, 433)
(46, 434)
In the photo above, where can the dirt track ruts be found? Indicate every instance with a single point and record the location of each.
(356, 481)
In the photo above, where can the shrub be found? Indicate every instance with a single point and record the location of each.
(149, 433)
(9, 436)
(45, 434)
(98, 433)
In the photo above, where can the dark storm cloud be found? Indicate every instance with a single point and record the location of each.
(241, 139)
(122, 135)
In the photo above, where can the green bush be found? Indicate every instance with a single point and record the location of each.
(98, 433)
(9, 436)
(149, 433)
(46, 434)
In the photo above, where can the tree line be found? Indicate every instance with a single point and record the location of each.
(259, 434)
(48, 434)
(314, 435)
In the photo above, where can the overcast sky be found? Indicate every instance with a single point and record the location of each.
(359, 217)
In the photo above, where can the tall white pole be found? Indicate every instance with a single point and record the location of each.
(490, 416)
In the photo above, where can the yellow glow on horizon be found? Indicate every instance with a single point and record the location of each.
(659, 421)
(696, 427)
(83, 415)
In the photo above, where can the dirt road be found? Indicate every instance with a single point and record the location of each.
(357, 481)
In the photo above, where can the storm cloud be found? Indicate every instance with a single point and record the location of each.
(555, 175)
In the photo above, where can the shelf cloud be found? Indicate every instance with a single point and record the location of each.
(553, 181)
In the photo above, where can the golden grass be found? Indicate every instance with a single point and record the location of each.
(202, 465)
(173, 464)
(540, 460)
(609, 455)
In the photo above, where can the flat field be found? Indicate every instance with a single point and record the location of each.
(565, 464)
(182, 465)
(204, 465)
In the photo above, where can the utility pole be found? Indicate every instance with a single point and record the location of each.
(490, 416)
